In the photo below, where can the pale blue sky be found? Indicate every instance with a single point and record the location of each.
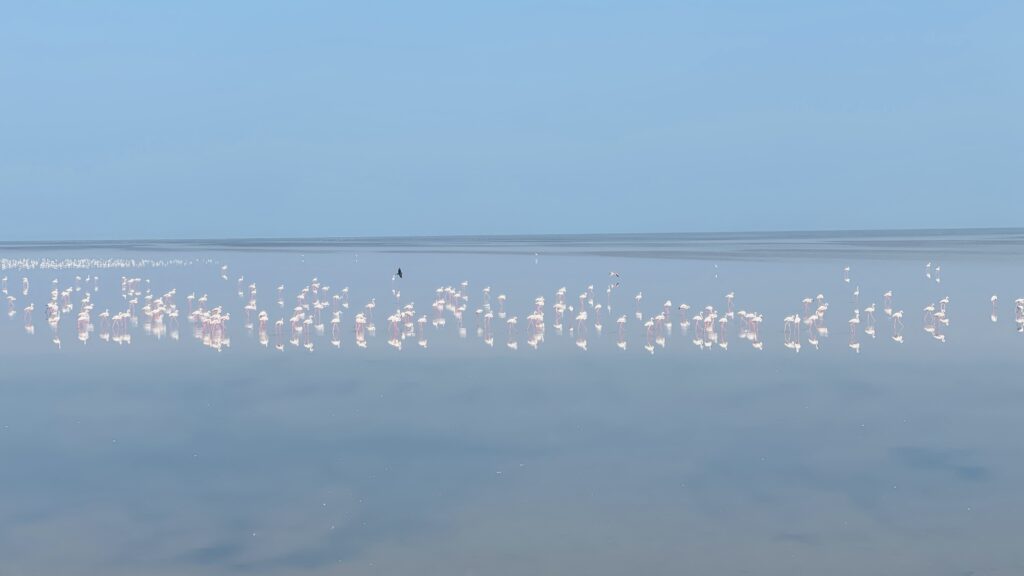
(214, 119)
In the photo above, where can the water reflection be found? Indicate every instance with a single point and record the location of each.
(669, 443)
(318, 316)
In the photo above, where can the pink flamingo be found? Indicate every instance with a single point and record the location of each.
(854, 325)
(897, 326)
(684, 320)
(621, 322)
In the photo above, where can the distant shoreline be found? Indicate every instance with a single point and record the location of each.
(491, 239)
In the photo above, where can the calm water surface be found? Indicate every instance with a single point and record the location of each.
(167, 457)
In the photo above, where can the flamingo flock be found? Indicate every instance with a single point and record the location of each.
(320, 316)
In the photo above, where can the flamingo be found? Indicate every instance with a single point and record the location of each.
(621, 342)
(684, 321)
(512, 343)
(870, 328)
(897, 326)
(854, 325)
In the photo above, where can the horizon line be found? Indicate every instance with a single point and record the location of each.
(511, 236)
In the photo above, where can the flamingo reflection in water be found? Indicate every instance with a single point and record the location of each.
(317, 305)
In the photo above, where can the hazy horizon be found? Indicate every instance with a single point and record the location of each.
(547, 235)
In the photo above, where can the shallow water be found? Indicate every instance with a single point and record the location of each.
(164, 456)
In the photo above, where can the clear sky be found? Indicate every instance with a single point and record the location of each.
(216, 119)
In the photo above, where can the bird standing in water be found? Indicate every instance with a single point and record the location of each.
(399, 274)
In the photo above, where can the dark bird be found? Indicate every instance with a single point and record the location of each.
(399, 273)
